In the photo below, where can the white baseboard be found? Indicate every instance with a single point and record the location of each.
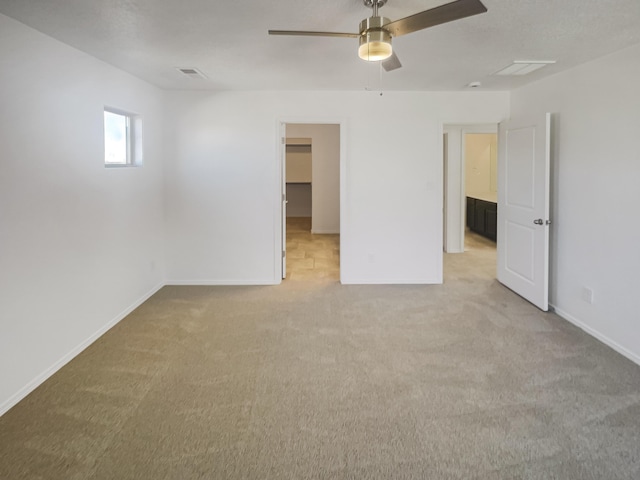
(387, 281)
(220, 283)
(325, 231)
(594, 333)
(40, 379)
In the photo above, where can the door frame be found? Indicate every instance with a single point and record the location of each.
(279, 222)
(454, 181)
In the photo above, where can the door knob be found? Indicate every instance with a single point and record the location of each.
(538, 221)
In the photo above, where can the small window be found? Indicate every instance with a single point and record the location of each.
(122, 139)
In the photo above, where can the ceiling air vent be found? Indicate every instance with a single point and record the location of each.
(191, 72)
(524, 67)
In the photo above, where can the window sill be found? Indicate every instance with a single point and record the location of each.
(118, 165)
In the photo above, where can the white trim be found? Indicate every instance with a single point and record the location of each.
(121, 165)
(463, 128)
(221, 283)
(134, 138)
(342, 122)
(40, 379)
(327, 231)
(467, 129)
(344, 224)
(279, 242)
(597, 335)
(389, 281)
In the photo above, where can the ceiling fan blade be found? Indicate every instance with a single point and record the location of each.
(391, 63)
(313, 34)
(435, 16)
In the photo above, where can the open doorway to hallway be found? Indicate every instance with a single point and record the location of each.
(312, 189)
(471, 190)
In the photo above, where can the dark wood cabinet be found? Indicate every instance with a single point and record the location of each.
(471, 213)
(482, 217)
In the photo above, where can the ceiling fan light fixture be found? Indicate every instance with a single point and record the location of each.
(375, 41)
(374, 50)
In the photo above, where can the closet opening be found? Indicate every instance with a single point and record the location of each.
(311, 207)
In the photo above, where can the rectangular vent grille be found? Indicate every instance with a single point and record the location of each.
(524, 67)
(191, 72)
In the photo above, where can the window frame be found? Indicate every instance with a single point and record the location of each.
(133, 126)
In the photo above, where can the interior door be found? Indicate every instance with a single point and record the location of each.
(523, 207)
(283, 160)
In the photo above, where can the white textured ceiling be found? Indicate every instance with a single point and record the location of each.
(228, 41)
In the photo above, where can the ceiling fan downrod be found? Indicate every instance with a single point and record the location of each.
(375, 4)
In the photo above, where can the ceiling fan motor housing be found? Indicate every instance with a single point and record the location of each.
(375, 40)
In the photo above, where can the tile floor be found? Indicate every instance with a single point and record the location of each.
(311, 256)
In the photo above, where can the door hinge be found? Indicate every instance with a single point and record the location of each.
(284, 254)
(283, 140)
(284, 197)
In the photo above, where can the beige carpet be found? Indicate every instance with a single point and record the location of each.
(314, 380)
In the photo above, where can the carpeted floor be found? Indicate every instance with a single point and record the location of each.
(315, 380)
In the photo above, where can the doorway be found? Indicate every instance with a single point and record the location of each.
(523, 185)
(311, 207)
(470, 156)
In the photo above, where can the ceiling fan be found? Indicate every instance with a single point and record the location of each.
(376, 32)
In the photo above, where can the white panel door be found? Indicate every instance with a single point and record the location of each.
(283, 181)
(523, 207)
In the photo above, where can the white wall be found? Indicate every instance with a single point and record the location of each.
(223, 193)
(325, 165)
(80, 245)
(595, 233)
(481, 161)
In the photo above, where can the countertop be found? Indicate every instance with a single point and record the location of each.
(486, 196)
